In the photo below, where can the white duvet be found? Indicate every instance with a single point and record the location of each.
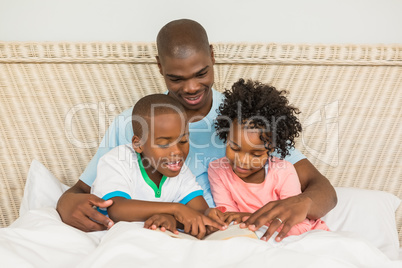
(39, 239)
(367, 237)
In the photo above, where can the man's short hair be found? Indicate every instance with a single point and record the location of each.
(179, 37)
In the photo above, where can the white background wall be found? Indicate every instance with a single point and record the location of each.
(300, 21)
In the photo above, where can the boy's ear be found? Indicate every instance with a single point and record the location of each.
(136, 142)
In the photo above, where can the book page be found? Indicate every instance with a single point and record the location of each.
(180, 235)
(231, 232)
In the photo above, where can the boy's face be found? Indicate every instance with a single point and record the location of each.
(166, 146)
(246, 152)
(189, 79)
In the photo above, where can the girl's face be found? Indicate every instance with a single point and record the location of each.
(246, 153)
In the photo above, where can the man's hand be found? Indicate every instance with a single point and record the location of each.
(287, 212)
(76, 208)
(195, 222)
(162, 221)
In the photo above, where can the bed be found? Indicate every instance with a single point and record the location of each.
(57, 99)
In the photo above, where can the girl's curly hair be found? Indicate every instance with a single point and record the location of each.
(258, 105)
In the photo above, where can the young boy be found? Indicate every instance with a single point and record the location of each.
(147, 179)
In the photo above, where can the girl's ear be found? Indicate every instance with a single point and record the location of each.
(136, 144)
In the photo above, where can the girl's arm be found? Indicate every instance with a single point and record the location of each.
(221, 194)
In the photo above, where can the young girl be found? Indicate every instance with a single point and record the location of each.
(255, 121)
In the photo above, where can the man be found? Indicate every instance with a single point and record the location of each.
(185, 59)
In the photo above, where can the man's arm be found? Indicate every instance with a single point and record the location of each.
(317, 199)
(75, 207)
(317, 188)
(202, 180)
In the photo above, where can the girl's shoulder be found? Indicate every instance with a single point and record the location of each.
(280, 165)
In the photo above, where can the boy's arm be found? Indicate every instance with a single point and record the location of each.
(198, 203)
(190, 215)
(190, 190)
(124, 209)
(317, 199)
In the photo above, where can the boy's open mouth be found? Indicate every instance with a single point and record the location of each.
(174, 165)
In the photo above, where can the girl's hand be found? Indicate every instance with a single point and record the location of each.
(195, 222)
(217, 215)
(162, 221)
(235, 217)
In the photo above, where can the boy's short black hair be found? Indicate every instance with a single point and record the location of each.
(258, 105)
(152, 105)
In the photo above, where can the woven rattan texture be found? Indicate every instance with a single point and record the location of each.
(57, 99)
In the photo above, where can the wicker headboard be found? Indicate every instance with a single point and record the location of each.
(57, 99)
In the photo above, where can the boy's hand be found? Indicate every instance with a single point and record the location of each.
(287, 212)
(162, 221)
(195, 222)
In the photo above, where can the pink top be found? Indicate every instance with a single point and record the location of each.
(281, 181)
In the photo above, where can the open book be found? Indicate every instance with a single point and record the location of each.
(231, 232)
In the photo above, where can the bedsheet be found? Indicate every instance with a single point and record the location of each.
(39, 239)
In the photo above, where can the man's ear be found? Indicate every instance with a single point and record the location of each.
(159, 64)
(136, 142)
(212, 54)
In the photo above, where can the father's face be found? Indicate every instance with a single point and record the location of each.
(189, 79)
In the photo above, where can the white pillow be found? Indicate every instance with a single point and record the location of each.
(42, 188)
(370, 214)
